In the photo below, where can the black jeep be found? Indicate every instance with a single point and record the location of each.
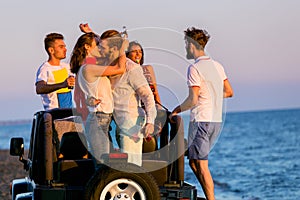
(60, 166)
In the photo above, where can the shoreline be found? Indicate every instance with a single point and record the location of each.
(10, 168)
(15, 122)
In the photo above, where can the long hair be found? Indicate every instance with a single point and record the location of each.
(79, 52)
(132, 43)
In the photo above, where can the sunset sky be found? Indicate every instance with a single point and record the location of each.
(257, 41)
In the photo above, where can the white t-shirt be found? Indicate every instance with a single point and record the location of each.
(209, 75)
(51, 75)
(99, 89)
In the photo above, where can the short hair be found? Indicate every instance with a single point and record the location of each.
(50, 39)
(132, 43)
(199, 37)
(113, 37)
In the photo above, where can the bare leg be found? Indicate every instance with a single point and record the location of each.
(201, 171)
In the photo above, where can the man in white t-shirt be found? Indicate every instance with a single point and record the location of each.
(53, 80)
(208, 85)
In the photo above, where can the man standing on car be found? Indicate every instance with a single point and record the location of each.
(208, 85)
(53, 80)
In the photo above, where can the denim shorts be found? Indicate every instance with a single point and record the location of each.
(202, 136)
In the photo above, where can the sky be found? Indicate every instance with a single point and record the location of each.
(257, 42)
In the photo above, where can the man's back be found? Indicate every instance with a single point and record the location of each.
(209, 76)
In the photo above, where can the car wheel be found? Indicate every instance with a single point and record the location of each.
(122, 182)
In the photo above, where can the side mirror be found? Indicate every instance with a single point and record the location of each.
(17, 146)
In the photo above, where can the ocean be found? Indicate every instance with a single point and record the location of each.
(257, 156)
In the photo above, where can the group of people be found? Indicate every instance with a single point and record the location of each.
(110, 80)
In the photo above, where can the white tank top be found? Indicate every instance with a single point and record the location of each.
(99, 89)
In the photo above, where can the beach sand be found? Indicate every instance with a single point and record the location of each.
(10, 168)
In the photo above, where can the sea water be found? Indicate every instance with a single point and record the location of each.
(257, 156)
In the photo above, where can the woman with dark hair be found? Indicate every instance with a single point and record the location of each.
(135, 52)
(78, 57)
(82, 50)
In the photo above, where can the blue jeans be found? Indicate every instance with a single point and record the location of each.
(97, 128)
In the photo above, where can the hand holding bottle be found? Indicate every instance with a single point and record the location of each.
(70, 82)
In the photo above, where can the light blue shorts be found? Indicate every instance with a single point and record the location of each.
(202, 136)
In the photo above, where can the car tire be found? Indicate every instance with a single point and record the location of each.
(122, 181)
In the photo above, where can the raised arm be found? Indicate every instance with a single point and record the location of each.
(85, 28)
(93, 70)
